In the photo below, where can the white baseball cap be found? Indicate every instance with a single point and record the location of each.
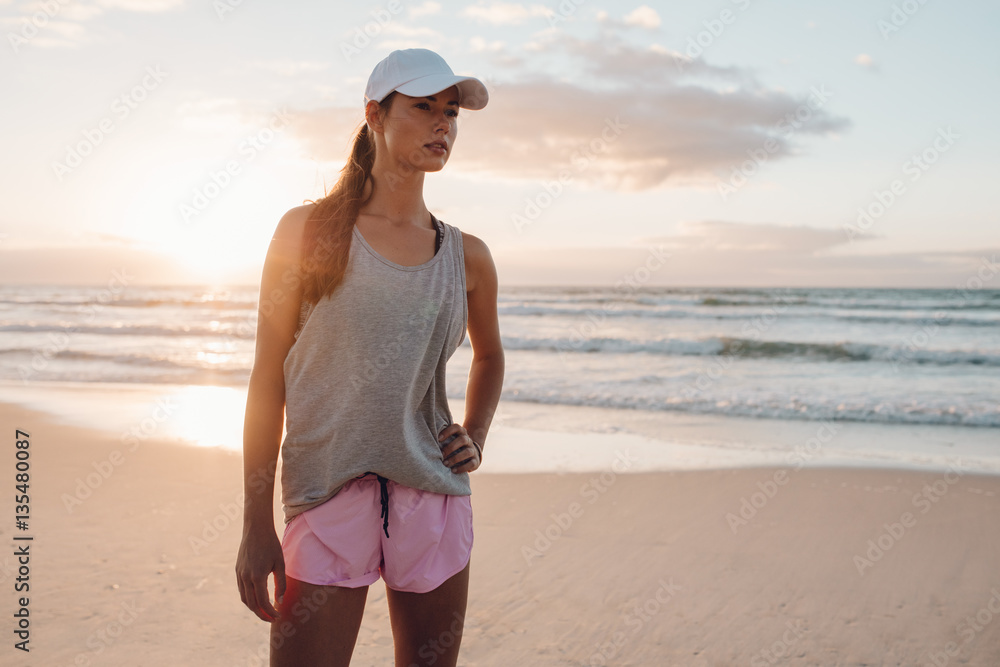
(421, 72)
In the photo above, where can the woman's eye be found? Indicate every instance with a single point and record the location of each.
(424, 105)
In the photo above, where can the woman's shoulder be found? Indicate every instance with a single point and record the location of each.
(289, 233)
(473, 245)
(293, 223)
(478, 260)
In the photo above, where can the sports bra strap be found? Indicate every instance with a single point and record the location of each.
(440, 235)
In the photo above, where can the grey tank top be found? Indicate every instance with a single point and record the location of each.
(365, 377)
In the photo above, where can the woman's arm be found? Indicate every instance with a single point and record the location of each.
(277, 318)
(486, 373)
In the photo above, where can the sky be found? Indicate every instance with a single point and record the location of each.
(727, 143)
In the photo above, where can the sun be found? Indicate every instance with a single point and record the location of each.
(218, 240)
(216, 260)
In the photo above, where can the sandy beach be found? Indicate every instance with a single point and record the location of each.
(133, 553)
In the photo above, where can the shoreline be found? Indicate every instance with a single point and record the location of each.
(570, 568)
(575, 438)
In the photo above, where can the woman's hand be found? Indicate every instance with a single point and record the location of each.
(459, 454)
(259, 555)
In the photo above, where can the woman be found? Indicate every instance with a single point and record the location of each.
(364, 296)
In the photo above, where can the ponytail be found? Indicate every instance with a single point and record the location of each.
(327, 239)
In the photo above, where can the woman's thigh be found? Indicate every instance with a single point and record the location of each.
(318, 625)
(427, 627)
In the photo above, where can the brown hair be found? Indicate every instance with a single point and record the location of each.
(327, 238)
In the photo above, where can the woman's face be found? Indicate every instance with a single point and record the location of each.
(420, 132)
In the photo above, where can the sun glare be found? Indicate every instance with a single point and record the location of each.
(210, 239)
(209, 416)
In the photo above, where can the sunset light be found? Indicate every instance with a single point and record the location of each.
(549, 333)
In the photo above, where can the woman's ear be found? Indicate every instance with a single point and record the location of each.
(372, 117)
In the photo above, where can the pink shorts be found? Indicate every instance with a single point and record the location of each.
(344, 542)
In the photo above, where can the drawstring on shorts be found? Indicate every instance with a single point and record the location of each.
(383, 499)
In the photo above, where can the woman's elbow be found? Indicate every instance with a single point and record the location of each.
(493, 356)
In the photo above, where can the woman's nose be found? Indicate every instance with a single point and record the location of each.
(443, 122)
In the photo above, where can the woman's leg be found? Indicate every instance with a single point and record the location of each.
(318, 626)
(427, 627)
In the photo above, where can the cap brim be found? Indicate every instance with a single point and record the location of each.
(472, 93)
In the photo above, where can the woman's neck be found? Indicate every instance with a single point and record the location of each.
(398, 199)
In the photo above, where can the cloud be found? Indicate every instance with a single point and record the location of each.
(90, 265)
(718, 253)
(741, 237)
(610, 60)
(425, 9)
(53, 35)
(865, 61)
(480, 45)
(80, 12)
(643, 16)
(679, 265)
(668, 135)
(505, 13)
(428, 34)
(632, 119)
(737, 253)
(608, 266)
(63, 25)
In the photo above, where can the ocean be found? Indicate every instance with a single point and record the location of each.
(910, 356)
(778, 364)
